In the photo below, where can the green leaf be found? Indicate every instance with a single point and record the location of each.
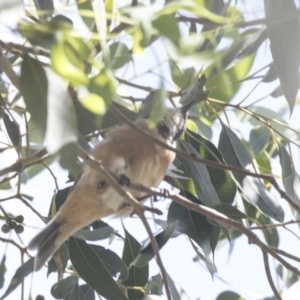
(147, 253)
(253, 190)
(64, 288)
(89, 266)
(66, 62)
(59, 261)
(158, 106)
(137, 276)
(290, 178)
(272, 74)
(228, 295)
(181, 77)
(120, 55)
(284, 38)
(194, 225)
(222, 181)
(2, 271)
(171, 31)
(88, 292)
(61, 121)
(155, 285)
(21, 273)
(199, 173)
(83, 7)
(259, 138)
(33, 74)
(103, 85)
(94, 235)
(229, 211)
(94, 103)
(12, 129)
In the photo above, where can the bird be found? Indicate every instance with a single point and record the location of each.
(123, 152)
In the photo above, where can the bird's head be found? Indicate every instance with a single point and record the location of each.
(173, 123)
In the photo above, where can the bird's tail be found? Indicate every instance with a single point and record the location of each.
(47, 242)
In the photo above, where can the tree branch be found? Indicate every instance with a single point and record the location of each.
(209, 163)
(222, 219)
(269, 276)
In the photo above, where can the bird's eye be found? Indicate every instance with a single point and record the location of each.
(101, 185)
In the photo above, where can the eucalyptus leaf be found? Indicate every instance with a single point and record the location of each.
(285, 39)
(89, 266)
(23, 271)
(2, 271)
(253, 189)
(137, 276)
(147, 253)
(12, 130)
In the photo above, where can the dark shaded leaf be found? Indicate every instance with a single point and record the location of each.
(146, 252)
(2, 271)
(63, 288)
(86, 6)
(222, 181)
(199, 173)
(89, 266)
(229, 211)
(164, 225)
(120, 55)
(12, 130)
(137, 276)
(253, 189)
(94, 235)
(60, 259)
(284, 38)
(155, 285)
(194, 225)
(33, 74)
(19, 276)
(228, 295)
(88, 292)
(259, 138)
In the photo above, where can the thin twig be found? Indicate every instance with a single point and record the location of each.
(6, 67)
(209, 163)
(263, 227)
(137, 206)
(269, 276)
(24, 162)
(284, 253)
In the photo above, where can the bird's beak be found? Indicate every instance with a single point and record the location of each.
(185, 108)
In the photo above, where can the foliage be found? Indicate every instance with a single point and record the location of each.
(71, 80)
